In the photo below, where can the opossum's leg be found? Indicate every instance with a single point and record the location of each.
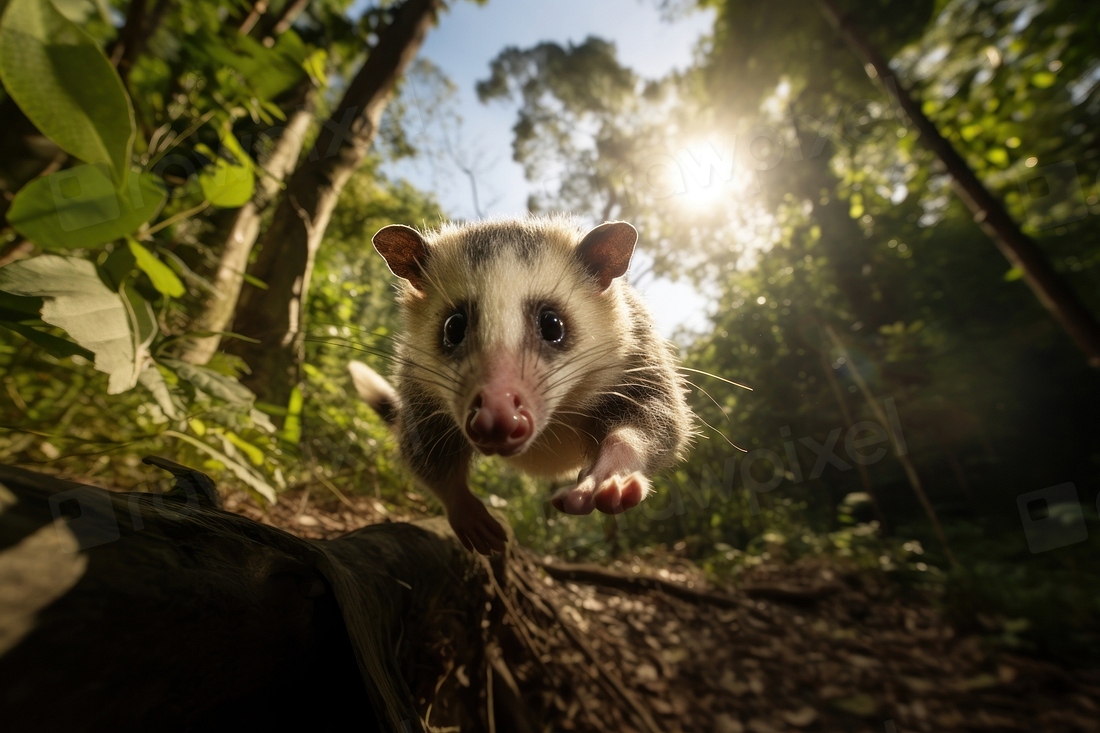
(439, 455)
(475, 527)
(615, 482)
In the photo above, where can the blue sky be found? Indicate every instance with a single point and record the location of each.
(469, 36)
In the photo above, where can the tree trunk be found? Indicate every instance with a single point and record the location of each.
(1020, 250)
(241, 237)
(135, 34)
(272, 315)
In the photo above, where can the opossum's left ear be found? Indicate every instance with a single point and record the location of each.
(607, 249)
(404, 251)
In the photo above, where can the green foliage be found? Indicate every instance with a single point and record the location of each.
(774, 174)
(160, 275)
(113, 325)
(81, 207)
(848, 225)
(111, 301)
(60, 78)
(224, 183)
(1037, 604)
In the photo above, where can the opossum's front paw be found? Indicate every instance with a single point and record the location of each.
(475, 527)
(612, 494)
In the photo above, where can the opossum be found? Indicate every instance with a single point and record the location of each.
(522, 339)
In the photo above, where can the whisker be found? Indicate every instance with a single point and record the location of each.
(398, 340)
(620, 395)
(720, 433)
(583, 362)
(578, 432)
(715, 376)
(370, 350)
(720, 408)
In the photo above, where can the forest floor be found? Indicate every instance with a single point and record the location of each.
(642, 646)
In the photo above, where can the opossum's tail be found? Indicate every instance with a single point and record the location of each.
(374, 390)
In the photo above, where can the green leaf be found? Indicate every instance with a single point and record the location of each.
(153, 380)
(856, 209)
(78, 11)
(997, 156)
(1043, 80)
(970, 132)
(1013, 275)
(266, 72)
(62, 348)
(292, 427)
(225, 183)
(254, 281)
(17, 308)
(164, 280)
(315, 66)
(212, 383)
(143, 321)
(254, 453)
(60, 78)
(80, 207)
(112, 327)
(119, 265)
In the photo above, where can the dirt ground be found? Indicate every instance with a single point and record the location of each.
(635, 647)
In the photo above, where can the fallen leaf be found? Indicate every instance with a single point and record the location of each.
(724, 723)
(802, 717)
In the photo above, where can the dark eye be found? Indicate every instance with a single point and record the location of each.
(551, 327)
(454, 329)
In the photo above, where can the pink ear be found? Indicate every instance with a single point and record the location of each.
(404, 251)
(606, 250)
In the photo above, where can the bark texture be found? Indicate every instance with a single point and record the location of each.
(273, 315)
(139, 611)
(241, 237)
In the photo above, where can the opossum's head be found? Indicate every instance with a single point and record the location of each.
(508, 322)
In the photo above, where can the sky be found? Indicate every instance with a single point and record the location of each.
(464, 43)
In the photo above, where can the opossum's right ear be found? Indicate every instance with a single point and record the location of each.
(607, 249)
(404, 251)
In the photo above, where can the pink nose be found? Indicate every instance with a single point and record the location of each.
(499, 423)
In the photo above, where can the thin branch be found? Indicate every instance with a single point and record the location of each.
(180, 216)
(290, 13)
(253, 17)
(903, 458)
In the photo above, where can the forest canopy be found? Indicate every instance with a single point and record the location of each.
(893, 210)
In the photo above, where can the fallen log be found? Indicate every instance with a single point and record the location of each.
(160, 611)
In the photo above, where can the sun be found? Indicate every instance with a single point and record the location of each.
(712, 177)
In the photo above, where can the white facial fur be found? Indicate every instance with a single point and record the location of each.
(498, 270)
